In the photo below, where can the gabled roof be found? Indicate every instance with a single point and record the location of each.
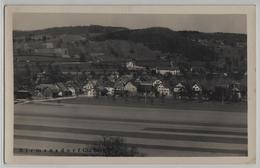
(196, 85)
(62, 86)
(130, 83)
(53, 87)
(180, 85)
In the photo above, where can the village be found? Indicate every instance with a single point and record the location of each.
(46, 67)
(154, 91)
(136, 82)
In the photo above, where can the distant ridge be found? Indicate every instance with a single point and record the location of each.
(188, 45)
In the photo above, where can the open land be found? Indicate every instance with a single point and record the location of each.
(154, 131)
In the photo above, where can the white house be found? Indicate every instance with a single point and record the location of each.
(89, 89)
(196, 88)
(130, 64)
(110, 91)
(157, 82)
(132, 89)
(90, 93)
(173, 71)
(163, 90)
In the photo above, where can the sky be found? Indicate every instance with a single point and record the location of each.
(228, 23)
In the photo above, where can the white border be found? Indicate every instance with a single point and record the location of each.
(136, 2)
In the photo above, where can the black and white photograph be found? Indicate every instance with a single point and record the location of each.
(130, 85)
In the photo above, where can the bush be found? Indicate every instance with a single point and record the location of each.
(114, 146)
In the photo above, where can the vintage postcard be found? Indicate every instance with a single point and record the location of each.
(130, 84)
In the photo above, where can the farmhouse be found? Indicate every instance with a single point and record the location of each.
(163, 91)
(89, 89)
(196, 88)
(173, 71)
(130, 88)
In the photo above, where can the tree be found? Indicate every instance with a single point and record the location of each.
(44, 38)
(82, 57)
(39, 66)
(93, 74)
(60, 43)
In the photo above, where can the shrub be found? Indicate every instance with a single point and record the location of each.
(114, 146)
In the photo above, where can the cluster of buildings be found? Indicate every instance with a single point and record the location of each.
(125, 84)
(129, 84)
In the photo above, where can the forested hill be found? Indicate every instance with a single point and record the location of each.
(192, 46)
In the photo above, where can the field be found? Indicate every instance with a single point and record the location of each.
(168, 103)
(73, 125)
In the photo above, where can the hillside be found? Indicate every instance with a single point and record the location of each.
(226, 51)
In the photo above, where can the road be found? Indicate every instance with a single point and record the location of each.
(155, 132)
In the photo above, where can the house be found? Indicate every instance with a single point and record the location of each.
(157, 82)
(235, 90)
(236, 94)
(90, 93)
(173, 71)
(119, 88)
(130, 88)
(179, 88)
(89, 85)
(131, 66)
(89, 89)
(162, 90)
(196, 88)
(72, 90)
(41, 76)
(63, 90)
(47, 90)
(110, 91)
(75, 86)
(235, 84)
(122, 81)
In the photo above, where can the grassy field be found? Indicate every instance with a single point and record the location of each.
(155, 132)
(168, 103)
